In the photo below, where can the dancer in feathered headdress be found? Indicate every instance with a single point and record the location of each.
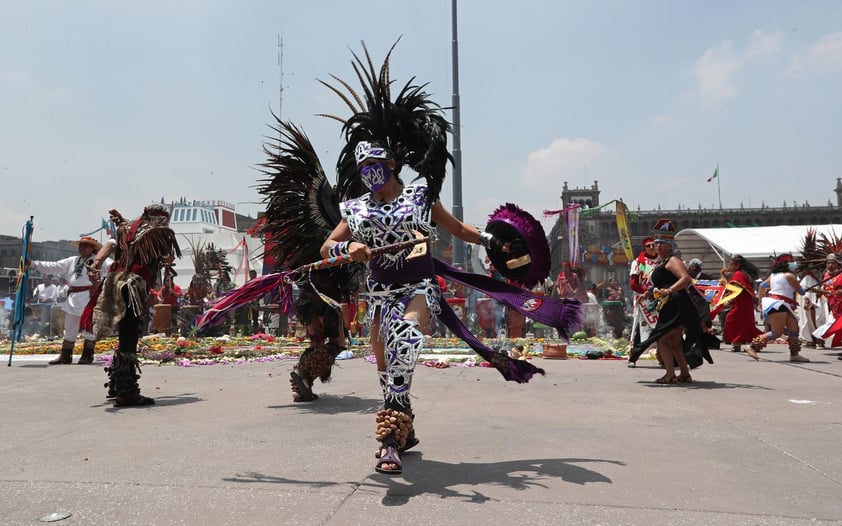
(814, 307)
(640, 281)
(373, 209)
(142, 248)
(383, 136)
(821, 255)
(301, 210)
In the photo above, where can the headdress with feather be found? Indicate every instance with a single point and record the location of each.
(302, 207)
(815, 249)
(146, 240)
(412, 126)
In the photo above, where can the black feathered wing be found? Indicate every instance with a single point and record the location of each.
(302, 208)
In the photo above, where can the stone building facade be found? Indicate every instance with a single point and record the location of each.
(603, 257)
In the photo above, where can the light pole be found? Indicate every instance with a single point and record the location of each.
(458, 256)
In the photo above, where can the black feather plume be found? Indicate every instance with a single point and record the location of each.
(411, 125)
(301, 206)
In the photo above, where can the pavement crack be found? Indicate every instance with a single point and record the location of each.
(787, 453)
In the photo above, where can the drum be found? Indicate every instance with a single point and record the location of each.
(485, 314)
(516, 322)
(162, 318)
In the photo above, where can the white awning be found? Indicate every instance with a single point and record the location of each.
(714, 246)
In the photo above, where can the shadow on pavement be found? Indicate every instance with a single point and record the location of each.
(334, 404)
(437, 478)
(695, 384)
(160, 401)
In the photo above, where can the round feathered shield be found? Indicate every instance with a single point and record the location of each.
(528, 259)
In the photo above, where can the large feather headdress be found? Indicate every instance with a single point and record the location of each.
(815, 249)
(411, 125)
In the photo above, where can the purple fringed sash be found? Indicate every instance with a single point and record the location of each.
(564, 315)
(519, 371)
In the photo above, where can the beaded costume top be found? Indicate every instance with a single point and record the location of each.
(380, 224)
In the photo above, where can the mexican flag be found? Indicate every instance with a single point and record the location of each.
(715, 174)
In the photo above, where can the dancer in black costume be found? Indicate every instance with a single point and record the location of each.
(680, 326)
(142, 248)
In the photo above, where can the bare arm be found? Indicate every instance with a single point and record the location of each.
(106, 250)
(337, 243)
(763, 288)
(465, 232)
(448, 221)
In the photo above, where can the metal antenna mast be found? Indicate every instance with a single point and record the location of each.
(281, 69)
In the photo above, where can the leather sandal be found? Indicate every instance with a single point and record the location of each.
(390, 456)
(685, 379)
(411, 442)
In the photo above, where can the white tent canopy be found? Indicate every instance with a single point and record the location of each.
(714, 246)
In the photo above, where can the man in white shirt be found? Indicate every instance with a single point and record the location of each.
(75, 270)
(45, 292)
(7, 305)
(44, 296)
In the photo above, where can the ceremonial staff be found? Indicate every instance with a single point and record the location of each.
(22, 290)
(263, 285)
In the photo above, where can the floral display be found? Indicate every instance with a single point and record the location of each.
(438, 352)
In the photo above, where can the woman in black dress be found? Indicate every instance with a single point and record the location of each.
(677, 314)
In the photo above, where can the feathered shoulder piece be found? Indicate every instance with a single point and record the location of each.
(146, 240)
(301, 206)
(411, 125)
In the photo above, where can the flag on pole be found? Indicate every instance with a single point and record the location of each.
(623, 228)
(102, 226)
(715, 174)
(573, 234)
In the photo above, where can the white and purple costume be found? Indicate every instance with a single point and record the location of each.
(394, 280)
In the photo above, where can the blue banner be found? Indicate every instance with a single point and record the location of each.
(22, 292)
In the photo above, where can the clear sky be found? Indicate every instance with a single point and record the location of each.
(108, 104)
